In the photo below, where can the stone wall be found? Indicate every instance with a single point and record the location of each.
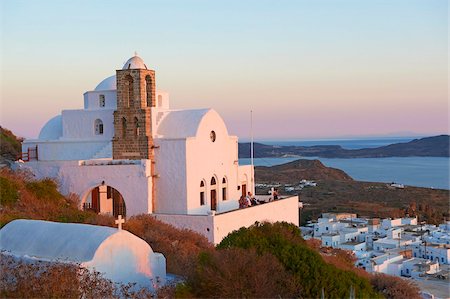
(135, 97)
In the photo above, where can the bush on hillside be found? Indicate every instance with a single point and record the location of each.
(309, 270)
(238, 273)
(45, 190)
(180, 247)
(10, 145)
(395, 287)
(342, 259)
(8, 191)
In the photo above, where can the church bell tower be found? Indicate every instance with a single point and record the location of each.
(132, 119)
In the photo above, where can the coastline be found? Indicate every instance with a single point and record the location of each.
(425, 172)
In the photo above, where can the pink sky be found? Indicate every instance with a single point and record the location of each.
(306, 69)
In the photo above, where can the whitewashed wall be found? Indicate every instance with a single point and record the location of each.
(65, 150)
(91, 99)
(132, 181)
(170, 166)
(207, 159)
(79, 124)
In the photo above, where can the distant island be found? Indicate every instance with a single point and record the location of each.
(436, 146)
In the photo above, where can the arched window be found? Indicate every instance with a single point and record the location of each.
(124, 127)
(98, 127)
(160, 101)
(148, 88)
(129, 91)
(136, 126)
(213, 194)
(202, 193)
(224, 189)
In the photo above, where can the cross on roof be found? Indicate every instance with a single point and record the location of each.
(120, 221)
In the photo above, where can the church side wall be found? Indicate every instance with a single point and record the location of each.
(64, 150)
(92, 99)
(130, 180)
(170, 183)
(207, 159)
(79, 124)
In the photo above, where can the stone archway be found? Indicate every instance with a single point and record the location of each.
(104, 199)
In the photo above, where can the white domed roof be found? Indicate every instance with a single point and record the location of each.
(134, 62)
(107, 84)
(52, 130)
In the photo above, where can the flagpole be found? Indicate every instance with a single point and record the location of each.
(251, 151)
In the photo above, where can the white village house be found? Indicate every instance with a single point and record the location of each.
(119, 255)
(127, 153)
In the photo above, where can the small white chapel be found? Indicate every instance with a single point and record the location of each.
(127, 152)
(119, 255)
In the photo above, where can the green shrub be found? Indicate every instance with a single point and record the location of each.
(45, 189)
(307, 267)
(239, 273)
(8, 191)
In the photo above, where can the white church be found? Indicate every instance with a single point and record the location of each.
(127, 153)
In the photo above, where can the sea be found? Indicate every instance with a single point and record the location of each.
(429, 172)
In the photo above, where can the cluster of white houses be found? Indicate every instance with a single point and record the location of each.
(399, 246)
(127, 152)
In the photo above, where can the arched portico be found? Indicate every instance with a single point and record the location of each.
(104, 199)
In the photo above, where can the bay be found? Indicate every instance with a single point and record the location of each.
(430, 172)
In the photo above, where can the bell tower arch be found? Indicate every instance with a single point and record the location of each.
(135, 97)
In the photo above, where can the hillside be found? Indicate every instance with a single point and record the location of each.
(297, 170)
(10, 145)
(261, 252)
(436, 146)
(337, 191)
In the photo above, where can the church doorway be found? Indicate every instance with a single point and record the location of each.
(213, 200)
(105, 199)
(244, 189)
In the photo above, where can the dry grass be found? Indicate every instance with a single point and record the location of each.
(240, 273)
(40, 199)
(180, 247)
(395, 287)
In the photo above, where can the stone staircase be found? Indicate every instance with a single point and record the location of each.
(104, 152)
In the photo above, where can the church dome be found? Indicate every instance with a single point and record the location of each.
(52, 130)
(107, 84)
(134, 62)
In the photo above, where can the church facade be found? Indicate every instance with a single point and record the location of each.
(127, 153)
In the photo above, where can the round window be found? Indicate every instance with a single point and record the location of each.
(212, 135)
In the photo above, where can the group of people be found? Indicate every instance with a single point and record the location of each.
(248, 201)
